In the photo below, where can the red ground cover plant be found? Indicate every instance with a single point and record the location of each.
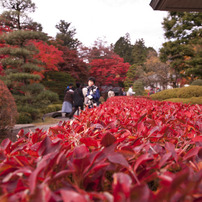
(127, 149)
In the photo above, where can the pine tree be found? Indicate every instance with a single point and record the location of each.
(16, 17)
(66, 35)
(123, 48)
(184, 47)
(139, 52)
(138, 87)
(130, 76)
(21, 71)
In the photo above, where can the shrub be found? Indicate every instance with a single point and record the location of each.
(185, 92)
(165, 94)
(127, 149)
(35, 105)
(24, 117)
(8, 109)
(51, 108)
(48, 95)
(57, 82)
(193, 100)
(27, 114)
(191, 91)
(45, 98)
(34, 88)
(197, 82)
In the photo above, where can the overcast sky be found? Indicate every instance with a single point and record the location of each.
(105, 19)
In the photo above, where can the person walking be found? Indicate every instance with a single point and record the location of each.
(93, 94)
(130, 91)
(78, 100)
(68, 101)
(122, 92)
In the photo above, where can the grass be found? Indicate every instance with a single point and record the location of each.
(47, 121)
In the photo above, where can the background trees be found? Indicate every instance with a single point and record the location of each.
(124, 48)
(22, 72)
(66, 35)
(109, 71)
(184, 46)
(155, 73)
(22, 63)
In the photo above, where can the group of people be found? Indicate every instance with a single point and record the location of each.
(130, 92)
(88, 96)
(76, 100)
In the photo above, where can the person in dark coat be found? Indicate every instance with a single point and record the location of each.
(68, 101)
(122, 92)
(93, 94)
(78, 100)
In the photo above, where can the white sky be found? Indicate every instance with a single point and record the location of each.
(105, 19)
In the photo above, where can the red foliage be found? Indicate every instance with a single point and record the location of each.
(128, 149)
(48, 54)
(73, 64)
(109, 70)
(8, 109)
(2, 44)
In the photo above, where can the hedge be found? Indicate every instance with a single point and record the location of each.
(193, 100)
(185, 92)
(197, 82)
(51, 108)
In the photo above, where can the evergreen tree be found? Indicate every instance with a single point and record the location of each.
(66, 35)
(139, 52)
(123, 48)
(16, 17)
(130, 76)
(21, 70)
(184, 47)
(138, 87)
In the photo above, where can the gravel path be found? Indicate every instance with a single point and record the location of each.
(31, 127)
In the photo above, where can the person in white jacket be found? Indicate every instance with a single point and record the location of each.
(130, 91)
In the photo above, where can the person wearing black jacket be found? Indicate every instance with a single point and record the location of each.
(93, 94)
(78, 100)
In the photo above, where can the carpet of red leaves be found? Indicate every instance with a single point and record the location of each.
(127, 149)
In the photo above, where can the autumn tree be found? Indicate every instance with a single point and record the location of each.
(99, 50)
(109, 71)
(183, 48)
(49, 55)
(67, 35)
(154, 72)
(15, 16)
(140, 53)
(8, 110)
(73, 65)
